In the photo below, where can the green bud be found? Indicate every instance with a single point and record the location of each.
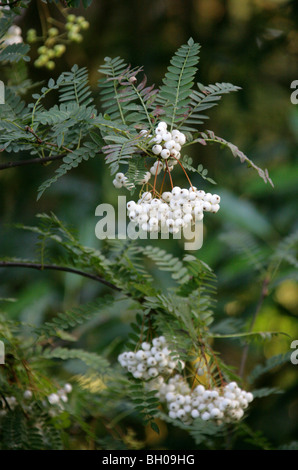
(59, 50)
(71, 18)
(43, 59)
(78, 38)
(50, 42)
(50, 65)
(37, 63)
(75, 28)
(31, 35)
(42, 50)
(53, 32)
(51, 53)
(32, 32)
(80, 19)
(85, 25)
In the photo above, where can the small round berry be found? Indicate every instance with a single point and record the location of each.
(153, 372)
(28, 394)
(166, 136)
(215, 208)
(162, 125)
(207, 206)
(195, 413)
(165, 153)
(53, 398)
(68, 388)
(156, 149)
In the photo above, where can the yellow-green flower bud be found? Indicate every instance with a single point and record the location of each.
(31, 35)
(50, 65)
(51, 53)
(53, 32)
(50, 42)
(85, 25)
(43, 59)
(37, 63)
(77, 38)
(71, 18)
(59, 50)
(75, 28)
(42, 50)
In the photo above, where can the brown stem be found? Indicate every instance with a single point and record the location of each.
(41, 267)
(40, 141)
(163, 180)
(184, 171)
(263, 295)
(169, 173)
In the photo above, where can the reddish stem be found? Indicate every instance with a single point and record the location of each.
(169, 173)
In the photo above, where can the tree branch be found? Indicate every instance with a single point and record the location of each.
(41, 267)
(4, 166)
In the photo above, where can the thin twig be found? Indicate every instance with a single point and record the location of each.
(4, 166)
(41, 267)
(40, 141)
(184, 171)
(263, 295)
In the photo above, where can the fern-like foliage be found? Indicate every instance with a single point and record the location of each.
(74, 86)
(206, 98)
(125, 100)
(175, 93)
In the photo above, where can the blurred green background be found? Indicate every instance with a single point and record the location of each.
(252, 44)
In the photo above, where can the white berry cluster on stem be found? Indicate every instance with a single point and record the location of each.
(150, 361)
(56, 400)
(155, 364)
(221, 405)
(168, 211)
(174, 210)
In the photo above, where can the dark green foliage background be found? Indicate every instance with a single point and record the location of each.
(253, 45)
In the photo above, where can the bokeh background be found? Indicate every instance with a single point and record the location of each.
(252, 44)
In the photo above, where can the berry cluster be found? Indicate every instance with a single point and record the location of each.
(75, 24)
(171, 211)
(167, 145)
(56, 399)
(223, 405)
(150, 361)
(156, 362)
(174, 210)
(53, 46)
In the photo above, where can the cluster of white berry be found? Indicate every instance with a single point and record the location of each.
(57, 399)
(166, 146)
(150, 361)
(121, 180)
(60, 395)
(155, 362)
(174, 210)
(220, 405)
